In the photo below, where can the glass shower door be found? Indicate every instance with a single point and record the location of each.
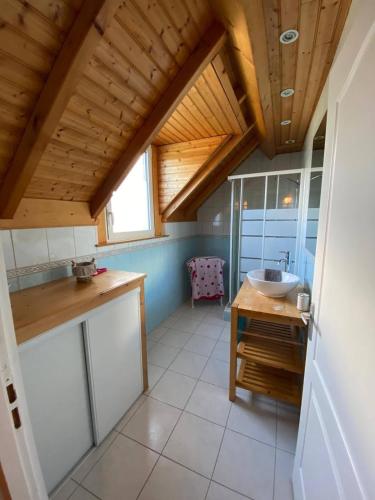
(269, 222)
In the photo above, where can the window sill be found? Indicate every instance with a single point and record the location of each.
(121, 242)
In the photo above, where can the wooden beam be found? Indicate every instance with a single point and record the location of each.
(236, 16)
(32, 213)
(184, 197)
(225, 169)
(223, 76)
(206, 50)
(158, 225)
(80, 43)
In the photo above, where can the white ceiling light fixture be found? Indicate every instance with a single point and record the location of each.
(290, 141)
(289, 36)
(285, 122)
(287, 92)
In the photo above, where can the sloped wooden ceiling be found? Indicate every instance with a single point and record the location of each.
(87, 85)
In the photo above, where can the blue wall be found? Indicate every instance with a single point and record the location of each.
(167, 283)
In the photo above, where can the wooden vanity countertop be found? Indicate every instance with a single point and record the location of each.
(41, 308)
(252, 304)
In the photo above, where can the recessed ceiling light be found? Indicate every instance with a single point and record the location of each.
(287, 92)
(289, 36)
(285, 122)
(290, 141)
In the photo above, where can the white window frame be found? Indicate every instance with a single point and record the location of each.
(135, 235)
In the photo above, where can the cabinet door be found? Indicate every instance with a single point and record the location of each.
(55, 379)
(113, 339)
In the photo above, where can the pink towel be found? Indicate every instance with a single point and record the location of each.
(206, 276)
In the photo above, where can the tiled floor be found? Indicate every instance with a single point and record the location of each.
(185, 440)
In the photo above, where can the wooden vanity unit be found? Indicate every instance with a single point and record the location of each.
(269, 337)
(83, 357)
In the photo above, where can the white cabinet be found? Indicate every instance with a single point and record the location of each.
(55, 379)
(113, 342)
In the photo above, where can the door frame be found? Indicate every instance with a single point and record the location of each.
(18, 455)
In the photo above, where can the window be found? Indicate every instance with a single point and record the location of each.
(130, 211)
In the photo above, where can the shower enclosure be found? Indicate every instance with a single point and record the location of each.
(266, 220)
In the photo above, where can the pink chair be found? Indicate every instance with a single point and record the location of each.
(206, 278)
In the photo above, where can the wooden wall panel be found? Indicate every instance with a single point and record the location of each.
(179, 162)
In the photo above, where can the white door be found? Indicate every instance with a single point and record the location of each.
(113, 339)
(335, 456)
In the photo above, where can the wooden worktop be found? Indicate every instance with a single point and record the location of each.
(279, 310)
(40, 308)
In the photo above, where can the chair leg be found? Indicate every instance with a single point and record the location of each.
(221, 301)
(192, 303)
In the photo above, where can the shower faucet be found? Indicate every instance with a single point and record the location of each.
(285, 260)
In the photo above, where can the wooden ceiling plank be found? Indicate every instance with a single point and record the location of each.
(308, 20)
(146, 37)
(222, 74)
(218, 116)
(192, 145)
(329, 17)
(94, 97)
(198, 60)
(165, 29)
(199, 101)
(289, 17)
(33, 213)
(201, 12)
(29, 22)
(181, 18)
(197, 116)
(184, 118)
(226, 168)
(179, 127)
(68, 67)
(183, 197)
(120, 38)
(74, 154)
(248, 40)
(113, 58)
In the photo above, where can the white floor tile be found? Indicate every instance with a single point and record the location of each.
(218, 492)
(154, 375)
(189, 363)
(216, 372)
(255, 419)
(65, 490)
(82, 494)
(209, 330)
(195, 443)
(152, 424)
(200, 345)
(216, 320)
(174, 389)
(185, 324)
(198, 314)
(170, 481)
(175, 338)
(92, 458)
(225, 336)
(221, 351)
(245, 465)
(124, 468)
(287, 429)
(162, 355)
(283, 475)
(157, 333)
(210, 402)
(169, 322)
(128, 415)
(151, 344)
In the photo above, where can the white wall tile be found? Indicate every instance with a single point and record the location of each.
(85, 239)
(61, 243)
(6, 240)
(30, 247)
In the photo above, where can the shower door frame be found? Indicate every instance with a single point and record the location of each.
(301, 220)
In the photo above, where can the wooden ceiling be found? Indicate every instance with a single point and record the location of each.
(87, 85)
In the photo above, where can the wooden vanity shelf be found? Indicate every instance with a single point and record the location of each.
(278, 384)
(271, 346)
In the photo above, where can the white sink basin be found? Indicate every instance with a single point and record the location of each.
(272, 288)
